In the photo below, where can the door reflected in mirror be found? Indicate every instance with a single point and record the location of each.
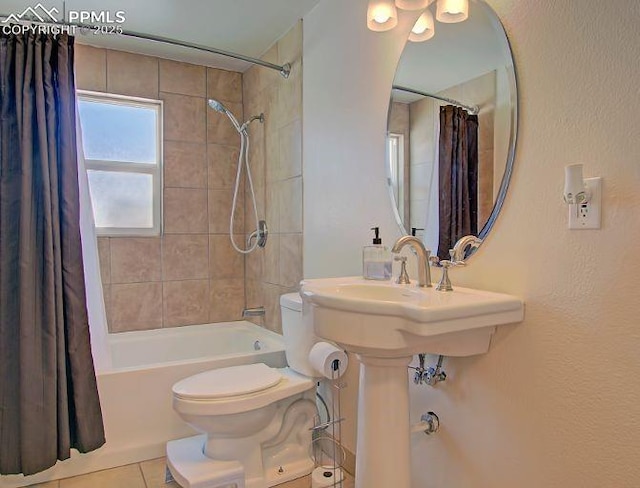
(451, 130)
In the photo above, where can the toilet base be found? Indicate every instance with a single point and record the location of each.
(192, 469)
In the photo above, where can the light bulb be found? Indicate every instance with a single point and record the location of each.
(381, 15)
(452, 11)
(423, 29)
(412, 4)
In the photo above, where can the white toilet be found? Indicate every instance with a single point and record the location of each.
(256, 420)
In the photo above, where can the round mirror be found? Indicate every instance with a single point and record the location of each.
(451, 130)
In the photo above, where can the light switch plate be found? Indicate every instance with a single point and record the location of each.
(588, 215)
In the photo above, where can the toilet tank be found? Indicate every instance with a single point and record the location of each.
(298, 334)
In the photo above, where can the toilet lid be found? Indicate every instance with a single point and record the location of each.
(228, 382)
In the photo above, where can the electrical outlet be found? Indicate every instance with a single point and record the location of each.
(588, 215)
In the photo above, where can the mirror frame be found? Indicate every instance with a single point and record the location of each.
(513, 137)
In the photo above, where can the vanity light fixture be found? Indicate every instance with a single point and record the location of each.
(412, 4)
(381, 15)
(424, 28)
(452, 11)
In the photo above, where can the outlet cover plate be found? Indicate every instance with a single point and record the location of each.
(588, 215)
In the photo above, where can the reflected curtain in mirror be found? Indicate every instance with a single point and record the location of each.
(48, 395)
(458, 177)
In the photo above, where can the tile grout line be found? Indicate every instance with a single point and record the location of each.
(144, 480)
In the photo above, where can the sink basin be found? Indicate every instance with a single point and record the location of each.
(384, 319)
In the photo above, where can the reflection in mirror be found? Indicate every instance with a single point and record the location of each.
(451, 130)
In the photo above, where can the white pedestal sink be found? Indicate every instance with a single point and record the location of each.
(385, 324)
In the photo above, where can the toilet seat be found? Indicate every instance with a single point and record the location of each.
(227, 382)
(288, 383)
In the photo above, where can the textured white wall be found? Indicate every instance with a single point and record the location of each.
(556, 401)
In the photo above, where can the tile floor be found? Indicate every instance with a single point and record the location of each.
(147, 474)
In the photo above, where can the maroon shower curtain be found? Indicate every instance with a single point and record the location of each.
(48, 396)
(458, 177)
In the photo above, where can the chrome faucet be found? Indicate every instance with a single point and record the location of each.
(467, 243)
(424, 273)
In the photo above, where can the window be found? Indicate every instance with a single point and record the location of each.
(395, 162)
(122, 142)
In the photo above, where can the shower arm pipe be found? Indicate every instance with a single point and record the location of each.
(284, 69)
(472, 109)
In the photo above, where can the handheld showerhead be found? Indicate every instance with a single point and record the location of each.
(217, 106)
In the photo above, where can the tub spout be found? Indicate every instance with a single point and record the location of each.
(253, 312)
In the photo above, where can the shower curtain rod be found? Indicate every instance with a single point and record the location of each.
(472, 109)
(284, 70)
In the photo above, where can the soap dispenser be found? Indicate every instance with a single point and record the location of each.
(376, 259)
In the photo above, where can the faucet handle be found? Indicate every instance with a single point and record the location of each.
(403, 278)
(434, 261)
(445, 283)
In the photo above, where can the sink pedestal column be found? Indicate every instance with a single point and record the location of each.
(383, 443)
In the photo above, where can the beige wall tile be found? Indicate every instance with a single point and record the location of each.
(224, 86)
(272, 207)
(290, 141)
(185, 257)
(257, 150)
(154, 471)
(132, 74)
(290, 259)
(186, 302)
(269, 77)
(271, 296)
(220, 211)
(290, 202)
(271, 137)
(271, 271)
(222, 164)
(185, 211)
(255, 262)
(128, 476)
(224, 261)
(250, 91)
(184, 118)
(135, 259)
(220, 130)
(185, 165)
(91, 68)
(183, 78)
(135, 306)
(106, 296)
(226, 300)
(254, 293)
(259, 192)
(290, 95)
(104, 254)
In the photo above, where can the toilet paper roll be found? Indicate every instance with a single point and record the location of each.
(323, 357)
(323, 477)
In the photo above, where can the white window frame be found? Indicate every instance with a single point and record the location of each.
(395, 167)
(155, 170)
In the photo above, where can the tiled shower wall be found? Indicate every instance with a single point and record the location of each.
(276, 159)
(190, 274)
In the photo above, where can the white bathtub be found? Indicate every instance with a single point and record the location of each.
(135, 392)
